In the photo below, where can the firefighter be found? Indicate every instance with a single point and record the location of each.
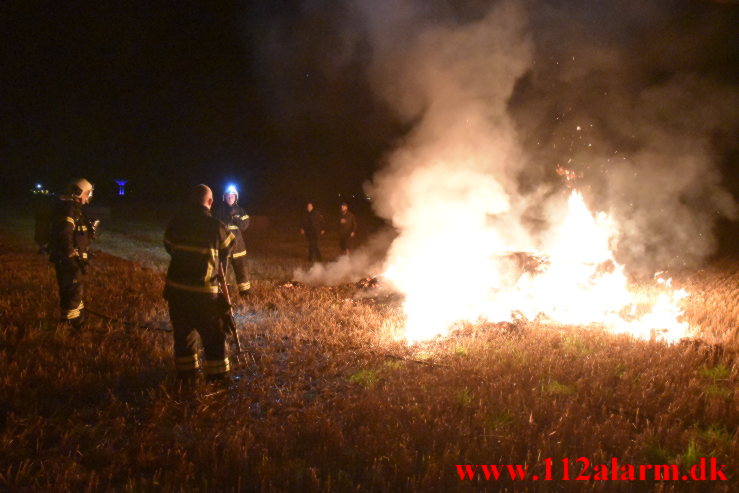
(312, 226)
(347, 228)
(69, 237)
(199, 245)
(237, 221)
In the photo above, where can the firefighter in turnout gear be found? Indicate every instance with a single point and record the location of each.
(197, 243)
(236, 220)
(69, 236)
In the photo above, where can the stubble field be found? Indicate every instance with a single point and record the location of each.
(329, 399)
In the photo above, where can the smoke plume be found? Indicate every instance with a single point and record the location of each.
(633, 101)
(368, 260)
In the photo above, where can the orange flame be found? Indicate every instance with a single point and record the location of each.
(582, 283)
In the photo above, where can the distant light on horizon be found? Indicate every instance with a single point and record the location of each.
(121, 187)
(39, 189)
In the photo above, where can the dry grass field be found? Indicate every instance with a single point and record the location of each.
(330, 401)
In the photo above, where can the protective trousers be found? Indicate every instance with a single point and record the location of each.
(70, 291)
(240, 265)
(193, 313)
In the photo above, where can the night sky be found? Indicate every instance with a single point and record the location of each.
(168, 94)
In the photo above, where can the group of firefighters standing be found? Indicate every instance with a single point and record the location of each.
(201, 244)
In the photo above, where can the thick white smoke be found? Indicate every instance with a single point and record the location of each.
(498, 94)
(456, 169)
(630, 97)
(368, 260)
(455, 172)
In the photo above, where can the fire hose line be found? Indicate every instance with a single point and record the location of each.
(157, 329)
(238, 356)
(716, 350)
(125, 322)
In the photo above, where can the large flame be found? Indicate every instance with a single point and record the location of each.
(453, 266)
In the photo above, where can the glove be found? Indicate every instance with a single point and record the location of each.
(222, 306)
(68, 263)
(79, 261)
(82, 264)
(94, 228)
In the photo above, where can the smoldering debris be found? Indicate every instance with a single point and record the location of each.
(369, 282)
(290, 284)
(527, 262)
(350, 268)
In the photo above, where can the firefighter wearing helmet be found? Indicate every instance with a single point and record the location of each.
(69, 237)
(236, 220)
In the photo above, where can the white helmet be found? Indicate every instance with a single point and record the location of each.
(80, 189)
(231, 190)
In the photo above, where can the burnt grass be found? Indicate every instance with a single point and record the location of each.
(329, 401)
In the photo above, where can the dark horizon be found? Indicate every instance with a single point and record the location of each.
(172, 95)
(164, 96)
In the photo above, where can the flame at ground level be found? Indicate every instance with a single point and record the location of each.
(458, 271)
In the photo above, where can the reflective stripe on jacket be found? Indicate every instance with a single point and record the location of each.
(68, 229)
(196, 242)
(233, 216)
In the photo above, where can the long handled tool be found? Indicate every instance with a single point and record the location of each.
(230, 321)
(127, 323)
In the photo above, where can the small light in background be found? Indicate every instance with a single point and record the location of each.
(39, 189)
(121, 187)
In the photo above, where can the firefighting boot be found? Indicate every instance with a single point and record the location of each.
(79, 322)
(72, 323)
(188, 367)
(187, 379)
(221, 380)
(244, 289)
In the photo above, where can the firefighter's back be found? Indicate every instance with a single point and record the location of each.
(194, 239)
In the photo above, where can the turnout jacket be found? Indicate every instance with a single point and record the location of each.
(233, 216)
(196, 242)
(69, 230)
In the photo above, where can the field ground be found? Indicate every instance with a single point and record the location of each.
(330, 401)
